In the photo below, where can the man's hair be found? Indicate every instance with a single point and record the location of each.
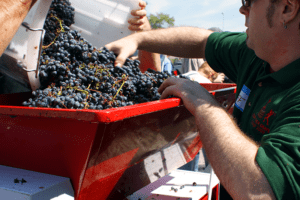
(271, 10)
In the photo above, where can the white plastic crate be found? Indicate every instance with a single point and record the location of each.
(28, 185)
(99, 22)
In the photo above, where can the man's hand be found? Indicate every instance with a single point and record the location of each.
(139, 22)
(124, 48)
(220, 78)
(193, 95)
(230, 152)
(127, 46)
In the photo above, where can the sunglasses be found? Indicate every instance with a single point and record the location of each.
(246, 3)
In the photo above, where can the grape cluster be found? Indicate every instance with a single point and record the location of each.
(60, 14)
(76, 75)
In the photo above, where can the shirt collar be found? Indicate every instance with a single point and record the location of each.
(288, 74)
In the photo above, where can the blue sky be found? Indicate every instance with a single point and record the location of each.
(201, 13)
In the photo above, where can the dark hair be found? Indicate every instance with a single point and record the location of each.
(271, 10)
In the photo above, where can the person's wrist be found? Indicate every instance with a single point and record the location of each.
(147, 26)
(138, 38)
(205, 113)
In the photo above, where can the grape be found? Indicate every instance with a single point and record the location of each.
(76, 75)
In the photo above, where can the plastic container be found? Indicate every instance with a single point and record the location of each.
(103, 21)
(107, 154)
(99, 21)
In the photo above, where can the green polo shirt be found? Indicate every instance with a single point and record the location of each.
(267, 108)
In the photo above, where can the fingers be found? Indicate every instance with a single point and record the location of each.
(142, 4)
(172, 86)
(169, 91)
(222, 75)
(135, 21)
(120, 60)
(122, 55)
(136, 24)
(139, 13)
(136, 27)
(170, 81)
(123, 48)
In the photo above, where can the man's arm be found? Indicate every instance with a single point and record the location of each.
(179, 41)
(141, 23)
(230, 152)
(12, 14)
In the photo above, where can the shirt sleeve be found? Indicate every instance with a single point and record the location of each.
(226, 51)
(279, 153)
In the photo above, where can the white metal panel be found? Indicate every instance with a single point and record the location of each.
(24, 184)
(182, 181)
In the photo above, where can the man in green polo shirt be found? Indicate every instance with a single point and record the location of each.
(256, 155)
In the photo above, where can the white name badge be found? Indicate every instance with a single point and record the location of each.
(242, 98)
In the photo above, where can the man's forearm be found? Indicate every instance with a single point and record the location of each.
(232, 155)
(12, 14)
(179, 41)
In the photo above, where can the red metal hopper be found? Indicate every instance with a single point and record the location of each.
(107, 154)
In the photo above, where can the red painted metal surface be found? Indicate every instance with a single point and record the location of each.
(103, 152)
(217, 86)
(215, 194)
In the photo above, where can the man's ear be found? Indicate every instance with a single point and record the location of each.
(290, 12)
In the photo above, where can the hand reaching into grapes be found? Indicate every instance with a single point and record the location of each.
(194, 96)
(124, 48)
(139, 23)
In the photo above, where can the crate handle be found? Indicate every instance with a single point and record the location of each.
(26, 25)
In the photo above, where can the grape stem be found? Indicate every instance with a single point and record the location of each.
(119, 89)
(151, 78)
(57, 31)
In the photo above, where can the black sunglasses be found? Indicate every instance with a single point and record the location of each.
(246, 3)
